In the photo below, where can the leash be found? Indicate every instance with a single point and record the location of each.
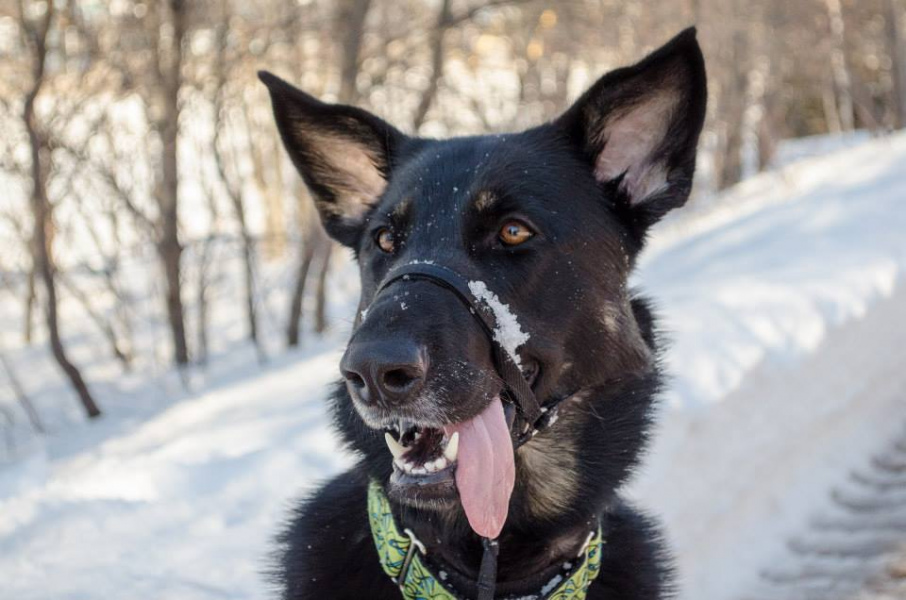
(530, 418)
(487, 573)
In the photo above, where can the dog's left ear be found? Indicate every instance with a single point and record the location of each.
(639, 127)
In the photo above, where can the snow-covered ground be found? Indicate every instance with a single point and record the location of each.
(786, 307)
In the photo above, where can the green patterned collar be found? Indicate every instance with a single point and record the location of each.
(401, 557)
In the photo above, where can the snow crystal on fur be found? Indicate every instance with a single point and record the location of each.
(508, 333)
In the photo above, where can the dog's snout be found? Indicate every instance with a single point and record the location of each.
(388, 373)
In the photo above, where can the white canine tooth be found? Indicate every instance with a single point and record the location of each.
(399, 464)
(396, 449)
(452, 448)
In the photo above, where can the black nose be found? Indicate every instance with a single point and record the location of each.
(388, 373)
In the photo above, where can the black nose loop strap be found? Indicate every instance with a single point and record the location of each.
(517, 387)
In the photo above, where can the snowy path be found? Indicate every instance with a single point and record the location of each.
(184, 507)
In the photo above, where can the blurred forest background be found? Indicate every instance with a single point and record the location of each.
(143, 187)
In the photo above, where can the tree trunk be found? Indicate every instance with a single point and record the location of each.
(321, 294)
(842, 80)
(169, 246)
(831, 111)
(897, 53)
(350, 16)
(437, 65)
(171, 256)
(28, 329)
(201, 355)
(695, 10)
(767, 141)
(233, 185)
(732, 111)
(43, 222)
(313, 239)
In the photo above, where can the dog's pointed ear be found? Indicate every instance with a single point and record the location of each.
(343, 153)
(639, 127)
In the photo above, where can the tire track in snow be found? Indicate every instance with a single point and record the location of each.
(857, 550)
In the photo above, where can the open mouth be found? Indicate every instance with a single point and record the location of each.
(472, 459)
(424, 463)
(420, 452)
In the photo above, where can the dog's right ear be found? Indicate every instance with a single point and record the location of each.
(343, 153)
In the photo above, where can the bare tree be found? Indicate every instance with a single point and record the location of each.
(315, 238)
(444, 21)
(169, 75)
(896, 47)
(842, 81)
(37, 36)
(231, 178)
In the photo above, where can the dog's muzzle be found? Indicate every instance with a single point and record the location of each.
(530, 416)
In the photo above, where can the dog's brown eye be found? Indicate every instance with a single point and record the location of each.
(514, 233)
(385, 240)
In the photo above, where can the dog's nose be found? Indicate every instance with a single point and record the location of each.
(386, 373)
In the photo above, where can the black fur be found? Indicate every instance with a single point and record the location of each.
(589, 190)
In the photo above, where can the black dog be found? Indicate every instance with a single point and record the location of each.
(544, 227)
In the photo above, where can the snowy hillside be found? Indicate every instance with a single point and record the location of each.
(786, 309)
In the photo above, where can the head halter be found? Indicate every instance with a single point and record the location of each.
(531, 416)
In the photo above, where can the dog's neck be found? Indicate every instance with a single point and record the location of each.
(545, 528)
(526, 563)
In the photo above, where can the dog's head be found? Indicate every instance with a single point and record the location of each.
(546, 224)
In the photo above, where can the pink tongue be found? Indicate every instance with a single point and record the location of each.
(485, 472)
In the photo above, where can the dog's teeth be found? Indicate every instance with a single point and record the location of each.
(439, 464)
(399, 464)
(396, 449)
(419, 471)
(452, 448)
(430, 467)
